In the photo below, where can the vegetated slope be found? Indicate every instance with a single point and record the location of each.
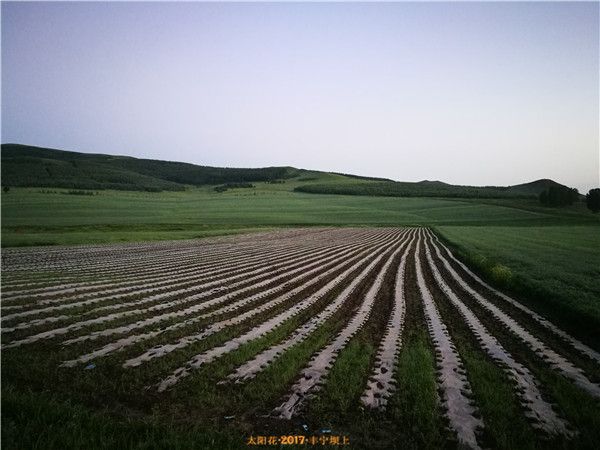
(429, 189)
(535, 187)
(360, 177)
(29, 166)
(24, 165)
(402, 342)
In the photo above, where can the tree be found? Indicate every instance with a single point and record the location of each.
(592, 199)
(573, 195)
(559, 196)
(554, 196)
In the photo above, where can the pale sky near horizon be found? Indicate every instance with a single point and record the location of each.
(466, 93)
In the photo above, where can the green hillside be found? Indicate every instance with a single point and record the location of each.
(535, 187)
(430, 189)
(27, 166)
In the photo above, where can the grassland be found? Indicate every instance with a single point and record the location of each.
(30, 217)
(547, 258)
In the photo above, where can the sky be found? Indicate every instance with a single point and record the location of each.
(466, 93)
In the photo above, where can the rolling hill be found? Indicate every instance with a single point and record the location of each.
(24, 165)
(429, 189)
(28, 166)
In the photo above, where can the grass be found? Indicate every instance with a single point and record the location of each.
(30, 217)
(414, 407)
(35, 420)
(555, 269)
(547, 257)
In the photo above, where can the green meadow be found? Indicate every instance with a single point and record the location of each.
(548, 257)
(32, 217)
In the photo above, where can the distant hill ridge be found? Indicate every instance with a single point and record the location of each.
(24, 165)
(29, 166)
(431, 189)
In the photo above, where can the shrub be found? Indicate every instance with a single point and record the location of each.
(501, 274)
(72, 192)
(592, 200)
(224, 187)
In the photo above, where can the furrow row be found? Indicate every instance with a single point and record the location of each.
(313, 275)
(580, 346)
(158, 307)
(381, 382)
(556, 361)
(139, 287)
(260, 330)
(318, 296)
(179, 265)
(77, 258)
(526, 386)
(456, 390)
(312, 377)
(251, 368)
(232, 272)
(120, 263)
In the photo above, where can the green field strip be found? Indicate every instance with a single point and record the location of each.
(553, 336)
(553, 384)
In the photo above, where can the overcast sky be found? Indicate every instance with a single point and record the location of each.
(467, 93)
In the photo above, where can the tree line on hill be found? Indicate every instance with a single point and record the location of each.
(407, 189)
(564, 196)
(555, 195)
(592, 200)
(559, 196)
(27, 166)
